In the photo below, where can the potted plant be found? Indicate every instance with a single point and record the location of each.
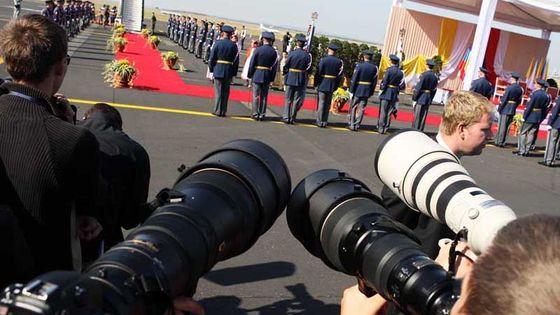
(516, 125)
(169, 59)
(154, 41)
(118, 43)
(339, 99)
(146, 33)
(119, 30)
(119, 73)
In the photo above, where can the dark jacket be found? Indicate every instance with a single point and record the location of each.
(125, 169)
(297, 68)
(224, 59)
(52, 166)
(328, 74)
(554, 120)
(510, 100)
(425, 89)
(536, 108)
(263, 66)
(392, 83)
(483, 87)
(364, 80)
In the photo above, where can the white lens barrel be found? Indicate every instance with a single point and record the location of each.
(430, 179)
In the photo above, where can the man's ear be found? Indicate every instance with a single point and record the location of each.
(58, 67)
(461, 130)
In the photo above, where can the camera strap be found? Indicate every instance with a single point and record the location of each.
(38, 101)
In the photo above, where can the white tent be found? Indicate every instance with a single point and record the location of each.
(535, 14)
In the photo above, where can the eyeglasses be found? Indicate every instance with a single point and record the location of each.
(68, 59)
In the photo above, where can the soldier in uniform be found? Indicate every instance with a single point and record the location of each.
(362, 87)
(201, 39)
(194, 34)
(59, 13)
(262, 70)
(423, 94)
(296, 69)
(393, 82)
(187, 36)
(327, 79)
(209, 41)
(169, 25)
(533, 115)
(481, 85)
(510, 100)
(553, 139)
(181, 28)
(49, 10)
(223, 63)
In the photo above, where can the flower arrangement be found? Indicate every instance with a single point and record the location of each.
(119, 30)
(516, 124)
(119, 73)
(169, 59)
(339, 99)
(117, 43)
(154, 41)
(146, 33)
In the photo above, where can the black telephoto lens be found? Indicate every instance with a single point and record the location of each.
(217, 209)
(339, 220)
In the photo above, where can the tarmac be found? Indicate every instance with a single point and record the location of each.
(277, 275)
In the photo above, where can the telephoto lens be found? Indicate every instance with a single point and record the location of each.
(217, 209)
(339, 220)
(430, 179)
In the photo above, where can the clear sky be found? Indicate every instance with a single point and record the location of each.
(358, 19)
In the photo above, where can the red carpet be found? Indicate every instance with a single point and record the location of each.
(152, 77)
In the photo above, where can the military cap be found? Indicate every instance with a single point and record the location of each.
(267, 35)
(301, 38)
(542, 82)
(515, 75)
(368, 52)
(49, 1)
(482, 69)
(430, 63)
(394, 58)
(227, 29)
(332, 47)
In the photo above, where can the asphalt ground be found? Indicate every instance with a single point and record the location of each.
(277, 275)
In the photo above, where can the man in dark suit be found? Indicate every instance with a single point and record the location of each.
(223, 64)
(481, 85)
(52, 165)
(423, 94)
(392, 84)
(296, 69)
(534, 114)
(553, 139)
(510, 100)
(262, 70)
(362, 87)
(327, 80)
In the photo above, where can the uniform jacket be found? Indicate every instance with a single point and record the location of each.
(425, 89)
(483, 87)
(535, 111)
(328, 74)
(264, 65)
(299, 61)
(364, 80)
(393, 82)
(224, 59)
(554, 120)
(511, 99)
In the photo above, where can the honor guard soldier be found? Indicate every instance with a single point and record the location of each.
(327, 80)
(182, 26)
(169, 25)
(59, 13)
(423, 94)
(362, 87)
(49, 10)
(510, 100)
(262, 70)
(553, 139)
(194, 34)
(481, 85)
(535, 111)
(187, 37)
(393, 82)
(201, 39)
(223, 63)
(296, 69)
(209, 41)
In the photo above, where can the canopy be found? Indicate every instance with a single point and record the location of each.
(538, 14)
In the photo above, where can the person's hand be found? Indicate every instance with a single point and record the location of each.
(355, 302)
(87, 227)
(548, 127)
(186, 305)
(462, 265)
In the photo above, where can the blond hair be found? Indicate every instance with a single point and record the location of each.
(518, 274)
(463, 107)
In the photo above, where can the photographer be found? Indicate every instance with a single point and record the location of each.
(51, 164)
(514, 276)
(464, 130)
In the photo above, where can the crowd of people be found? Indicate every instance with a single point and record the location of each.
(74, 16)
(81, 181)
